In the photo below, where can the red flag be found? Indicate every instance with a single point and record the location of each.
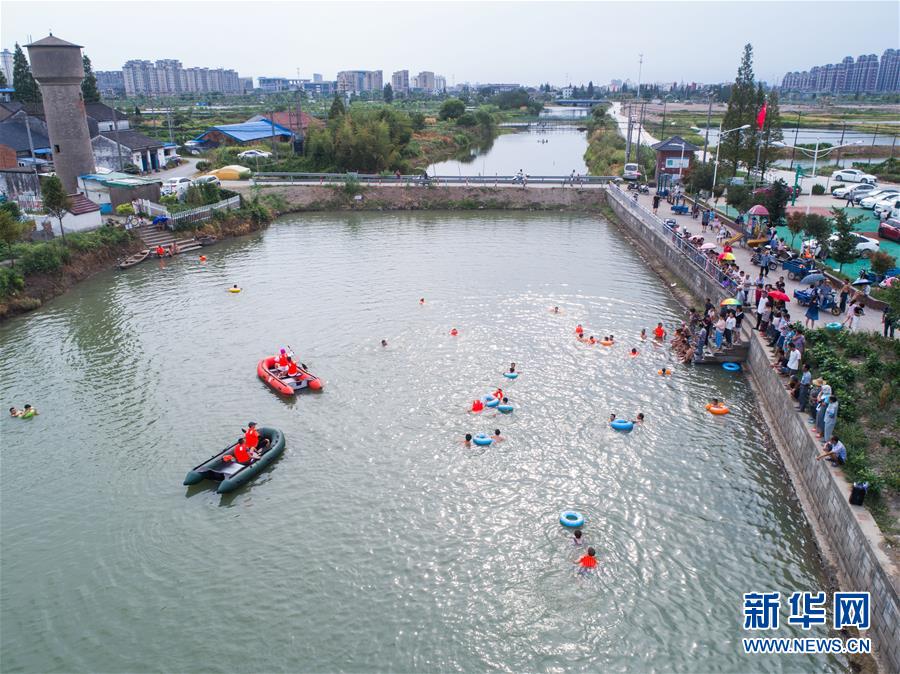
(761, 117)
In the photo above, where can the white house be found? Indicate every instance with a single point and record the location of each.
(83, 214)
(136, 148)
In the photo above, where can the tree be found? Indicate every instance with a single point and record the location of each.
(775, 200)
(771, 132)
(590, 89)
(843, 249)
(89, 90)
(337, 108)
(452, 108)
(56, 201)
(388, 93)
(795, 224)
(818, 227)
(699, 177)
(742, 109)
(881, 262)
(739, 197)
(3, 82)
(27, 90)
(11, 229)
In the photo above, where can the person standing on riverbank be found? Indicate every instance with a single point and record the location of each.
(830, 418)
(803, 393)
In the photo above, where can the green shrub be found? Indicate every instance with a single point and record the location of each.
(124, 209)
(818, 189)
(11, 282)
(467, 119)
(204, 165)
(43, 258)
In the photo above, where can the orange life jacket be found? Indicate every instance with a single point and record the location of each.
(241, 454)
(251, 438)
(292, 368)
(282, 360)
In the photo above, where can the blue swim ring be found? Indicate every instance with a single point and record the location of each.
(833, 326)
(622, 424)
(506, 409)
(511, 375)
(731, 367)
(571, 518)
(482, 440)
(491, 401)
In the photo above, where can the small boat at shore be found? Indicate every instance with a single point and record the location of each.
(134, 259)
(286, 385)
(229, 473)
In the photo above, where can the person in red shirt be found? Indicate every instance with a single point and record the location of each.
(292, 369)
(251, 436)
(588, 562)
(241, 455)
(281, 360)
(659, 331)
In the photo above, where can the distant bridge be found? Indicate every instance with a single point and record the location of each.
(421, 181)
(580, 102)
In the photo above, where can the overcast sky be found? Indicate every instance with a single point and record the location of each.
(526, 42)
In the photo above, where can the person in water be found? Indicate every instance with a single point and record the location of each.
(498, 394)
(383, 342)
(640, 418)
(643, 333)
(579, 330)
(496, 437)
(592, 340)
(555, 310)
(634, 352)
(612, 338)
(588, 561)
(577, 538)
(612, 418)
(421, 300)
(235, 287)
(659, 332)
(467, 441)
(28, 411)
(512, 368)
(13, 412)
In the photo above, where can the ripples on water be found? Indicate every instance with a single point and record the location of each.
(377, 542)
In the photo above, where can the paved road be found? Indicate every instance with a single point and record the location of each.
(871, 320)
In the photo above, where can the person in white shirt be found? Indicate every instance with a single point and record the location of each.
(730, 322)
(793, 361)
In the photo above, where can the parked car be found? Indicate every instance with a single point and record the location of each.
(175, 186)
(205, 180)
(874, 197)
(254, 154)
(890, 229)
(853, 191)
(631, 171)
(884, 208)
(864, 245)
(854, 176)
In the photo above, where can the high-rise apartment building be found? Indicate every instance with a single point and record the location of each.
(425, 80)
(6, 65)
(167, 77)
(400, 82)
(110, 83)
(865, 75)
(356, 81)
(889, 71)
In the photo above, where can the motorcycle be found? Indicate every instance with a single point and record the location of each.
(755, 260)
(644, 189)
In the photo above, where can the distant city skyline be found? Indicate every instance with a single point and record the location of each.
(527, 42)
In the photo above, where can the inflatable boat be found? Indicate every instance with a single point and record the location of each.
(283, 384)
(229, 473)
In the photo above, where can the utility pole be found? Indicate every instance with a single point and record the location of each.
(637, 150)
(843, 131)
(169, 121)
(272, 122)
(628, 137)
(709, 96)
(640, 69)
(794, 146)
(874, 136)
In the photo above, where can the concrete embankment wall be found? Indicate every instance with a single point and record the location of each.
(847, 535)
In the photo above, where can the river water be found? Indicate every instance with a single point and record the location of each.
(377, 541)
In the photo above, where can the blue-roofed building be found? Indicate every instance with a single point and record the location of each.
(244, 133)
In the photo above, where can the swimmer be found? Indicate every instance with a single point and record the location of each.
(588, 561)
(639, 419)
(592, 340)
(634, 352)
(496, 437)
(612, 418)
(13, 412)
(202, 258)
(235, 288)
(512, 368)
(498, 394)
(421, 300)
(454, 332)
(28, 410)
(659, 332)
(383, 342)
(467, 441)
(612, 338)
(665, 372)
(577, 538)
(579, 330)
(714, 402)
(555, 310)
(643, 333)
(477, 405)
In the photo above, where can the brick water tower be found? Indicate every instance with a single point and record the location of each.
(57, 67)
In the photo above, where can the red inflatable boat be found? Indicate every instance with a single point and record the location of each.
(283, 384)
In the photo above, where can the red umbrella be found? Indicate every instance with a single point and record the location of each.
(779, 296)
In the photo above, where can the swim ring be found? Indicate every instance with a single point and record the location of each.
(622, 424)
(234, 290)
(664, 372)
(506, 409)
(731, 367)
(510, 375)
(571, 518)
(833, 326)
(482, 440)
(717, 409)
(28, 415)
(491, 401)
(606, 342)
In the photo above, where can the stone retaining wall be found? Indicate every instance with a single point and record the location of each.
(847, 535)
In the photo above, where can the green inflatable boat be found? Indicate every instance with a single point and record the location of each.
(230, 474)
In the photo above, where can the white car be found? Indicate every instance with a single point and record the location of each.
(883, 208)
(254, 154)
(854, 191)
(631, 172)
(864, 245)
(203, 180)
(176, 186)
(872, 199)
(854, 176)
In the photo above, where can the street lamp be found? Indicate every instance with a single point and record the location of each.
(815, 155)
(722, 134)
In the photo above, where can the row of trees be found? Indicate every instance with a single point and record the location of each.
(27, 89)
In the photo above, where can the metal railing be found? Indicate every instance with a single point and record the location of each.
(659, 228)
(422, 181)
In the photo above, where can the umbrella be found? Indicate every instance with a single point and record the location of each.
(728, 257)
(815, 277)
(708, 246)
(730, 302)
(779, 296)
(861, 282)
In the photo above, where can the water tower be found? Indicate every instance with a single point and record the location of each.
(57, 66)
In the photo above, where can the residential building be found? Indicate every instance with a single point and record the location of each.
(865, 75)
(109, 190)
(357, 81)
(167, 77)
(245, 84)
(425, 80)
(105, 118)
(889, 71)
(110, 83)
(400, 82)
(440, 83)
(6, 65)
(270, 85)
(131, 147)
(317, 78)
